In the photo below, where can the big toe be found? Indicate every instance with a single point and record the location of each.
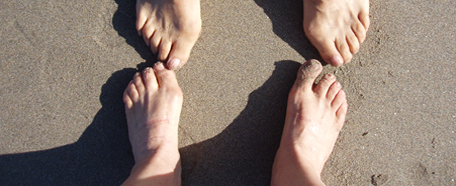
(307, 74)
(166, 78)
(329, 52)
(179, 54)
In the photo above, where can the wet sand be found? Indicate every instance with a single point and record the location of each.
(66, 63)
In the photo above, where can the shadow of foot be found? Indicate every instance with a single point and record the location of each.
(101, 156)
(124, 21)
(287, 23)
(243, 153)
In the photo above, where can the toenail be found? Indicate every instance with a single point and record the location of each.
(159, 66)
(147, 70)
(337, 60)
(329, 76)
(137, 74)
(313, 65)
(173, 63)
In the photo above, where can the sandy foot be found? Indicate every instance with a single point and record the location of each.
(315, 116)
(153, 101)
(336, 27)
(170, 28)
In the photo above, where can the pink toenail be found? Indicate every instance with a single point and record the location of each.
(337, 60)
(173, 63)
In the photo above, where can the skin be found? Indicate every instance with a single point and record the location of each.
(153, 101)
(170, 28)
(336, 27)
(315, 116)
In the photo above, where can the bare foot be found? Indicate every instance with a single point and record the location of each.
(153, 101)
(336, 27)
(170, 28)
(315, 115)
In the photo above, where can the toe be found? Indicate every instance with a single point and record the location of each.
(344, 50)
(360, 32)
(353, 43)
(138, 82)
(155, 43)
(329, 52)
(364, 18)
(163, 51)
(140, 21)
(127, 99)
(339, 100)
(150, 80)
(132, 92)
(333, 90)
(307, 74)
(322, 87)
(179, 54)
(147, 32)
(166, 78)
(341, 113)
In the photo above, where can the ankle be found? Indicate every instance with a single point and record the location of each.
(160, 162)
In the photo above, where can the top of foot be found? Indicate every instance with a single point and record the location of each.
(315, 116)
(170, 28)
(153, 101)
(336, 27)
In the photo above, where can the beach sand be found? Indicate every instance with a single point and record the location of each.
(64, 66)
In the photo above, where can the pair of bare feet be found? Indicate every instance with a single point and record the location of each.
(171, 27)
(315, 115)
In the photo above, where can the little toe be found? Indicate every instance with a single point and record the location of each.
(140, 21)
(323, 85)
(333, 90)
(166, 78)
(163, 51)
(179, 54)
(150, 80)
(307, 74)
(329, 52)
(339, 100)
(364, 18)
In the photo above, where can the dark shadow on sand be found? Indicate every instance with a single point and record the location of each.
(287, 23)
(124, 21)
(101, 156)
(242, 154)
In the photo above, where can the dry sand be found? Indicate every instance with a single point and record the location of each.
(64, 65)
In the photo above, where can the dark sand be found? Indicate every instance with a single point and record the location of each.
(64, 65)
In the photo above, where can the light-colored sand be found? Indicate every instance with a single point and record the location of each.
(64, 65)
